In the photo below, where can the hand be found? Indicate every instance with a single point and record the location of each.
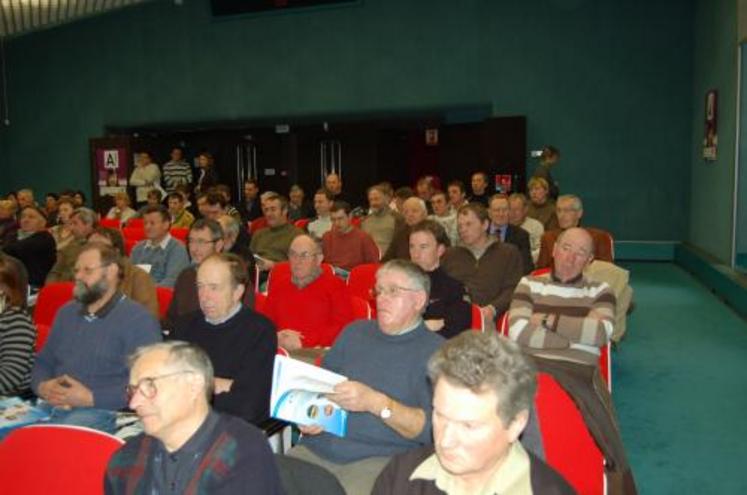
(290, 340)
(53, 392)
(75, 393)
(265, 264)
(356, 397)
(488, 312)
(434, 325)
(221, 385)
(311, 429)
(594, 314)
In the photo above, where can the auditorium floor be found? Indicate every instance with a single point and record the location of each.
(680, 386)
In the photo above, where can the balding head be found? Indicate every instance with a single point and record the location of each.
(333, 183)
(573, 250)
(414, 211)
(305, 256)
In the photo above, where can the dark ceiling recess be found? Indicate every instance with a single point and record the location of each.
(223, 8)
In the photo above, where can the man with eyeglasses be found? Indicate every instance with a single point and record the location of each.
(80, 373)
(205, 238)
(186, 446)
(309, 305)
(561, 320)
(569, 209)
(241, 343)
(387, 393)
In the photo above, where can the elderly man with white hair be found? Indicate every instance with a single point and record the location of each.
(414, 210)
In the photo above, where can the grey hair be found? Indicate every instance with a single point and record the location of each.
(212, 226)
(230, 226)
(87, 215)
(186, 356)
(577, 204)
(487, 362)
(417, 277)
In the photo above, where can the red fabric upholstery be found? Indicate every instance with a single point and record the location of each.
(260, 303)
(569, 448)
(477, 321)
(135, 223)
(502, 324)
(361, 309)
(180, 234)
(165, 295)
(55, 459)
(51, 298)
(111, 223)
(136, 233)
(257, 224)
(356, 221)
(540, 271)
(129, 245)
(302, 223)
(361, 282)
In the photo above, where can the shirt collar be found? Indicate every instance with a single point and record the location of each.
(513, 476)
(230, 315)
(164, 242)
(301, 283)
(576, 281)
(103, 310)
(198, 442)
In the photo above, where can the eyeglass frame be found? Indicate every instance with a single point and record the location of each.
(393, 291)
(88, 270)
(131, 390)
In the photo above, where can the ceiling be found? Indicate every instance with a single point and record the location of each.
(24, 16)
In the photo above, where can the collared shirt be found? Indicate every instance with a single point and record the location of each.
(103, 310)
(172, 471)
(411, 327)
(513, 476)
(499, 231)
(230, 315)
(478, 252)
(164, 242)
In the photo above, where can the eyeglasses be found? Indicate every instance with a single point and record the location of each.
(87, 270)
(147, 386)
(581, 253)
(391, 291)
(301, 256)
(201, 242)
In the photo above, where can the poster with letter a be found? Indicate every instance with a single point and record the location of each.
(111, 170)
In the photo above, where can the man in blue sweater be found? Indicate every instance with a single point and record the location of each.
(163, 255)
(387, 393)
(81, 372)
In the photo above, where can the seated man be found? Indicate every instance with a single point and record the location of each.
(414, 211)
(562, 320)
(34, 246)
(236, 239)
(387, 392)
(479, 183)
(382, 222)
(483, 391)
(518, 216)
(186, 447)
(569, 210)
(81, 370)
(311, 306)
(250, 208)
(346, 246)
(271, 244)
(241, 343)
(205, 239)
(445, 215)
(541, 207)
(488, 269)
(505, 232)
(457, 194)
(447, 312)
(298, 206)
(162, 256)
(212, 204)
(180, 217)
(82, 223)
(323, 201)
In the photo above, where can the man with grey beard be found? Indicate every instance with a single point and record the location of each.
(82, 371)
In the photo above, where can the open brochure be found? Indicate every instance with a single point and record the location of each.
(15, 413)
(298, 395)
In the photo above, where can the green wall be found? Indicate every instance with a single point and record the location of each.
(608, 82)
(715, 67)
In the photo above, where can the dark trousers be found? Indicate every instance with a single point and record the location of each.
(584, 384)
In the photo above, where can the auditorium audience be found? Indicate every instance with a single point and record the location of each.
(33, 246)
(212, 204)
(569, 210)
(81, 372)
(518, 216)
(176, 172)
(82, 223)
(541, 207)
(79, 199)
(17, 332)
(162, 256)
(228, 207)
(333, 183)
(250, 209)
(387, 393)
(488, 269)
(50, 207)
(207, 176)
(121, 210)
(135, 282)
(414, 212)
(444, 215)
(480, 193)
(382, 221)
(457, 194)
(483, 390)
(346, 246)
(447, 311)
(271, 244)
(424, 189)
(401, 195)
(180, 217)
(298, 207)
(562, 320)
(505, 232)
(240, 343)
(25, 198)
(186, 446)
(323, 201)
(146, 177)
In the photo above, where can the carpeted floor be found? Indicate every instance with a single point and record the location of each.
(680, 386)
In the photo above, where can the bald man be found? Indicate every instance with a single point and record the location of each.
(414, 211)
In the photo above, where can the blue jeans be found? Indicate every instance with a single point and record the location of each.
(90, 417)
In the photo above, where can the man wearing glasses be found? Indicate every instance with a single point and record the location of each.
(562, 320)
(80, 373)
(187, 447)
(205, 238)
(387, 392)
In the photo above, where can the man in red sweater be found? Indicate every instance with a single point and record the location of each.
(346, 246)
(310, 306)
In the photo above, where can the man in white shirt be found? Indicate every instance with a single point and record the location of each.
(517, 216)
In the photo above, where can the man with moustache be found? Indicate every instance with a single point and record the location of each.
(81, 371)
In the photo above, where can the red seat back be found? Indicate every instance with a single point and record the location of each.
(361, 309)
(302, 223)
(477, 321)
(502, 324)
(112, 223)
(129, 245)
(135, 233)
(135, 223)
(50, 299)
(260, 303)
(48, 459)
(165, 295)
(361, 282)
(257, 224)
(179, 233)
(568, 445)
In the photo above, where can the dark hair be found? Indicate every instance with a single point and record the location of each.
(459, 184)
(215, 228)
(477, 208)
(36, 209)
(404, 193)
(114, 236)
(223, 189)
(109, 255)
(165, 216)
(156, 193)
(12, 281)
(435, 229)
(213, 197)
(81, 194)
(52, 195)
(484, 175)
(175, 195)
(252, 181)
(341, 205)
(326, 192)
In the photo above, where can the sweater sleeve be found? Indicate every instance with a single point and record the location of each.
(522, 330)
(16, 349)
(177, 261)
(512, 273)
(592, 331)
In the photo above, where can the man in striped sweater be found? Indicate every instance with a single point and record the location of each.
(562, 320)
